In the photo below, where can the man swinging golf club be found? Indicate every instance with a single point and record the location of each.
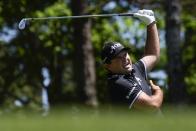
(128, 82)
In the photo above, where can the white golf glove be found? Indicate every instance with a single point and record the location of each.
(147, 16)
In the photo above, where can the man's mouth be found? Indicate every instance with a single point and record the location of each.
(127, 64)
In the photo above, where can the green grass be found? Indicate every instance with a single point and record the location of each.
(78, 118)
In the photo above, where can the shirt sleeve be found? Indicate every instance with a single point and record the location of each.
(129, 92)
(142, 68)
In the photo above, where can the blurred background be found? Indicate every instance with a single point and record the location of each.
(57, 62)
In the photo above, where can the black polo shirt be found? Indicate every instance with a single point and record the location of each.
(127, 88)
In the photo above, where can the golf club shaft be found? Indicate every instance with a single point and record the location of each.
(22, 23)
(80, 16)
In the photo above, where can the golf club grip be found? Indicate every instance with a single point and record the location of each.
(126, 14)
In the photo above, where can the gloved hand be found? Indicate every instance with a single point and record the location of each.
(147, 16)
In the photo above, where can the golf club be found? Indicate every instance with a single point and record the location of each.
(23, 22)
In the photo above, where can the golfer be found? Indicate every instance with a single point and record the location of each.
(128, 81)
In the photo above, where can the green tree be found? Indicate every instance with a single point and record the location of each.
(84, 63)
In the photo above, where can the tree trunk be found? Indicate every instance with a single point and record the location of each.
(177, 90)
(84, 66)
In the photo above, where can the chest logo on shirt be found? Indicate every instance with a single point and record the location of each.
(138, 80)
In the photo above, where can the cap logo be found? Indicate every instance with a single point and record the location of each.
(116, 46)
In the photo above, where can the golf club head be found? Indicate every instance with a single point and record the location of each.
(22, 24)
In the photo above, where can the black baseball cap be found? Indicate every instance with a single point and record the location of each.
(110, 50)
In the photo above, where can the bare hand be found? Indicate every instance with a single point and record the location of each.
(154, 87)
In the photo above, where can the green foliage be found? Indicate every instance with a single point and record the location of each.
(41, 44)
(189, 47)
(191, 84)
(48, 44)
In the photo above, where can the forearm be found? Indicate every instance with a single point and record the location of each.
(152, 46)
(154, 101)
(145, 101)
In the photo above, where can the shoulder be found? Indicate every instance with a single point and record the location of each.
(140, 65)
(116, 79)
(120, 82)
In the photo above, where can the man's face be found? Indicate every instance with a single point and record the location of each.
(121, 63)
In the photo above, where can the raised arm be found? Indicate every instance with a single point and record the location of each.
(151, 56)
(152, 47)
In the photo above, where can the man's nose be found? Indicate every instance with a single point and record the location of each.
(124, 57)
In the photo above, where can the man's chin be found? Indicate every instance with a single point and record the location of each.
(128, 69)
